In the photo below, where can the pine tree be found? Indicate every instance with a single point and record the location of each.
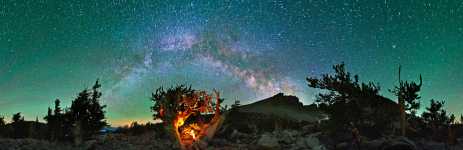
(17, 121)
(51, 124)
(408, 99)
(57, 110)
(58, 120)
(348, 100)
(451, 119)
(2, 126)
(97, 120)
(435, 115)
(17, 118)
(55, 122)
(436, 118)
(2, 121)
(87, 112)
(36, 128)
(167, 104)
(236, 104)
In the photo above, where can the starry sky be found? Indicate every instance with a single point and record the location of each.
(246, 49)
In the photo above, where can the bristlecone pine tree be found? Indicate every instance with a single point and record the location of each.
(166, 105)
(86, 113)
(19, 130)
(408, 99)
(2, 121)
(55, 120)
(349, 101)
(2, 126)
(84, 118)
(436, 118)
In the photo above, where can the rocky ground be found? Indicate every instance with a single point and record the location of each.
(252, 127)
(280, 139)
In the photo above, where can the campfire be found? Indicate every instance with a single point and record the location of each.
(194, 116)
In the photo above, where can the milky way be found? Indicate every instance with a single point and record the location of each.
(248, 50)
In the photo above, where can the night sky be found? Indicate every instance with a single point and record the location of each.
(248, 50)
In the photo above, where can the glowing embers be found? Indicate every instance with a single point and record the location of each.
(194, 117)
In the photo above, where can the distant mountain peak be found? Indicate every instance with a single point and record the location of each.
(282, 105)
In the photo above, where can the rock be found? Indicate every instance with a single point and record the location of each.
(459, 140)
(374, 144)
(267, 140)
(313, 142)
(287, 136)
(300, 143)
(343, 145)
(431, 145)
(400, 143)
(88, 144)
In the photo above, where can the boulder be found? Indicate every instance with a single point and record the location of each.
(374, 144)
(267, 140)
(431, 145)
(286, 136)
(313, 142)
(400, 143)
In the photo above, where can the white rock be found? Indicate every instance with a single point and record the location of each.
(313, 142)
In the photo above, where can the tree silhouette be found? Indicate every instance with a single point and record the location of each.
(347, 100)
(83, 119)
(436, 118)
(19, 130)
(452, 119)
(2, 121)
(17, 118)
(236, 104)
(435, 115)
(408, 99)
(2, 126)
(55, 122)
(51, 124)
(97, 119)
(86, 114)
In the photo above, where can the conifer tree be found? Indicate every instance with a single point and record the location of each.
(435, 115)
(2, 121)
(2, 126)
(237, 103)
(97, 120)
(408, 99)
(165, 101)
(436, 118)
(348, 101)
(36, 128)
(87, 112)
(452, 119)
(58, 120)
(17, 121)
(55, 122)
(167, 104)
(17, 118)
(51, 124)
